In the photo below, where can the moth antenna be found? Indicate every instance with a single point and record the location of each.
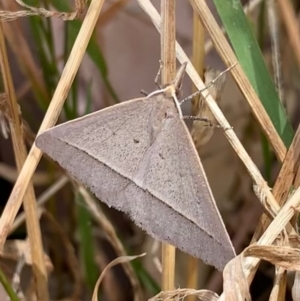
(209, 85)
(207, 121)
(203, 119)
(158, 75)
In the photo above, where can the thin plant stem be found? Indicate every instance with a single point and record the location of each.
(168, 58)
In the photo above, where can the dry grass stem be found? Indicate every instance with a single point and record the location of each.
(281, 256)
(198, 62)
(14, 33)
(168, 58)
(236, 286)
(275, 42)
(292, 26)
(275, 228)
(112, 237)
(279, 286)
(228, 56)
(168, 38)
(118, 260)
(281, 191)
(33, 11)
(60, 94)
(193, 274)
(198, 46)
(182, 293)
(41, 201)
(71, 258)
(10, 174)
(283, 183)
(198, 55)
(32, 222)
(229, 133)
(297, 179)
(296, 287)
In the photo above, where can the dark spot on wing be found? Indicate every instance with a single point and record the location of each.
(136, 141)
(161, 156)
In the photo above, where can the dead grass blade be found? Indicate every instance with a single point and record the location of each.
(113, 238)
(291, 22)
(15, 200)
(279, 287)
(42, 12)
(283, 183)
(71, 259)
(118, 260)
(275, 228)
(181, 294)
(236, 285)
(20, 153)
(282, 256)
(235, 281)
(10, 174)
(296, 287)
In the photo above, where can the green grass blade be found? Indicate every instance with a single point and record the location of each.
(86, 242)
(96, 56)
(251, 60)
(145, 278)
(93, 49)
(42, 34)
(8, 288)
(268, 155)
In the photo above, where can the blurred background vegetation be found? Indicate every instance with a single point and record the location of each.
(123, 58)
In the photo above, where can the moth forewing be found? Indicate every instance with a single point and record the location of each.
(138, 157)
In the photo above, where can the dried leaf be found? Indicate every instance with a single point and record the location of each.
(236, 286)
(279, 286)
(283, 256)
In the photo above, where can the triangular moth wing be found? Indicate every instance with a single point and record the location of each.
(172, 171)
(106, 151)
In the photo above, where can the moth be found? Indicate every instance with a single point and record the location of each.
(138, 157)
